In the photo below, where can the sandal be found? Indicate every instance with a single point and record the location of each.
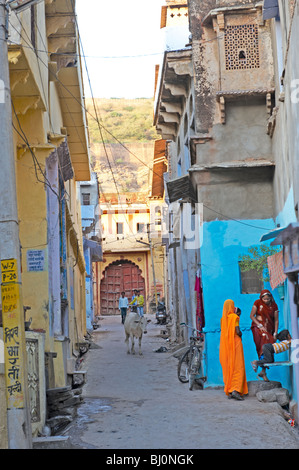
(236, 395)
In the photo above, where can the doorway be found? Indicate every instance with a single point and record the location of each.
(121, 275)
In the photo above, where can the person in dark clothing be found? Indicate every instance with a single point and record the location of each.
(269, 350)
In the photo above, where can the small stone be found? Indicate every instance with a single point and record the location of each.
(282, 396)
(267, 396)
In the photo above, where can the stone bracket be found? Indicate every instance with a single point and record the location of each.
(23, 103)
(18, 76)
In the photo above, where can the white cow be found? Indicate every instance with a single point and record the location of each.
(135, 326)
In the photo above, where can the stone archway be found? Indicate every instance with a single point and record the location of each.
(121, 275)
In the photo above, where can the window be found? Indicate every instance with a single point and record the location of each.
(186, 125)
(86, 199)
(242, 47)
(119, 228)
(251, 282)
(186, 157)
(242, 55)
(140, 228)
(179, 167)
(158, 218)
(33, 25)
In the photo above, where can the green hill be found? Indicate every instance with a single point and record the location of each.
(130, 156)
(127, 120)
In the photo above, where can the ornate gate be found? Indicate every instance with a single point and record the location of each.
(122, 275)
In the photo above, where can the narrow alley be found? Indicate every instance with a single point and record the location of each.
(137, 402)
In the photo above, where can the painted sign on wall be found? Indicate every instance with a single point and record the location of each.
(36, 260)
(12, 334)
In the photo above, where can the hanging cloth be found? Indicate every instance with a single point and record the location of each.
(200, 317)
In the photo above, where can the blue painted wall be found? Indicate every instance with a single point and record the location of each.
(88, 289)
(284, 218)
(223, 243)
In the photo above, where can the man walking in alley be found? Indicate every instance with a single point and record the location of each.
(140, 302)
(133, 302)
(123, 304)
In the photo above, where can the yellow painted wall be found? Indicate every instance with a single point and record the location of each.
(32, 210)
(3, 413)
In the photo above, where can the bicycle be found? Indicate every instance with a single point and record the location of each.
(190, 367)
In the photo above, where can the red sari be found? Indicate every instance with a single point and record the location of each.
(266, 318)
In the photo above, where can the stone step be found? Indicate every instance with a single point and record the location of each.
(52, 442)
(255, 386)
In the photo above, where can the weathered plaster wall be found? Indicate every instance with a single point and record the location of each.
(205, 71)
(242, 137)
(286, 134)
(235, 193)
(32, 207)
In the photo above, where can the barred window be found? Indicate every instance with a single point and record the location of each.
(86, 199)
(242, 47)
(251, 281)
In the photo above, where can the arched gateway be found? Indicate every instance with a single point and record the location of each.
(121, 275)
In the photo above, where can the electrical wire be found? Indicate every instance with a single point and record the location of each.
(101, 126)
(43, 89)
(79, 55)
(72, 5)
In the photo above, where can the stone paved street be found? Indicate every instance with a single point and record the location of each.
(137, 402)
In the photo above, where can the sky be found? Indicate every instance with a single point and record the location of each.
(123, 42)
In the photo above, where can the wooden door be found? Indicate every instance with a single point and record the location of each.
(117, 277)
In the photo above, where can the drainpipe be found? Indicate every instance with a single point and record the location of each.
(18, 415)
(292, 278)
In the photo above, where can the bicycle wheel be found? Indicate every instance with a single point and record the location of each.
(200, 383)
(193, 368)
(183, 367)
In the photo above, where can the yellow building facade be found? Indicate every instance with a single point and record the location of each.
(131, 258)
(51, 156)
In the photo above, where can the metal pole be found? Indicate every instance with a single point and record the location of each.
(18, 418)
(153, 266)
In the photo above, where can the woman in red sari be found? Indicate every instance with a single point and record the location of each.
(264, 316)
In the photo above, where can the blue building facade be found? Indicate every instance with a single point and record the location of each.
(223, 243)
(91, 226)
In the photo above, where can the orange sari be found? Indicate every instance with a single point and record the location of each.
(231, 352)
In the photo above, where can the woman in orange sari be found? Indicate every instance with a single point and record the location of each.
(231, 353)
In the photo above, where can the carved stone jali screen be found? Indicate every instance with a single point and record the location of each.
(241, 47)
(33, 378)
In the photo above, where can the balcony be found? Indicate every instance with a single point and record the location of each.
(65, 69)
(175, 83)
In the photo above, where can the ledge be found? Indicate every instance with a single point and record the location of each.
(232, 9)
(233, 94)
(233, 165)
(279, 363)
